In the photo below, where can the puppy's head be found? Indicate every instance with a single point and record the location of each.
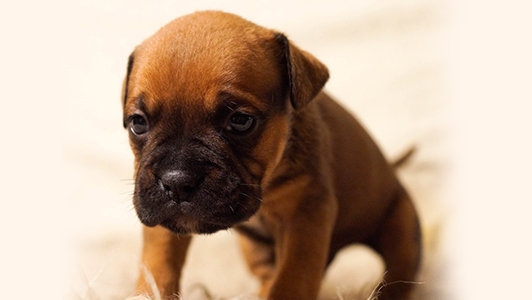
(206, 102)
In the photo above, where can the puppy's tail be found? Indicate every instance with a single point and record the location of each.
(403, 158)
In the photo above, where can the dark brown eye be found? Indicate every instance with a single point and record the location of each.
(240, 122)
(139, 125)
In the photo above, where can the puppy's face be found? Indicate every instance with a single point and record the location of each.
(206, 114)
(206, 106)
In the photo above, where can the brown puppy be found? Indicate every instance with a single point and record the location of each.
(229, 128)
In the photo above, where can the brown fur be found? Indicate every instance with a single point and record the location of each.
(313, 179)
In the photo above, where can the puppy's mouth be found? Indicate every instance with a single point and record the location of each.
(209, 209)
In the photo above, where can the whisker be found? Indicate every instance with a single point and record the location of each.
(128, 197)
(251, 196)
(249, 184)
(128, 204)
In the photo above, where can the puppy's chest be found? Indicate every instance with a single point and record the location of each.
(278, 206)
(257, 229)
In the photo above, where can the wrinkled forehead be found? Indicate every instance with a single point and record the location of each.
(194, 65)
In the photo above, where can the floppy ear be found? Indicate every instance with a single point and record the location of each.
(306, 74)
(125, 85)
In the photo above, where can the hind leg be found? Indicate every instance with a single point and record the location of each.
(398, 241)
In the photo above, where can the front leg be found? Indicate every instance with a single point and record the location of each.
(302, 248)
(163, 255)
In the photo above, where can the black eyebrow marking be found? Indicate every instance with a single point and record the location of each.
(230, 102)
(138, 102)
(240, 98)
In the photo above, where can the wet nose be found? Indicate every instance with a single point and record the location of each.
(178, 184)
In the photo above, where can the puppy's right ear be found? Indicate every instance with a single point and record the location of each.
(125, 85)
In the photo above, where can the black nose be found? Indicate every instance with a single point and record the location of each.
(177, 184)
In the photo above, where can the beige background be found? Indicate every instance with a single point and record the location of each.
(453, 78)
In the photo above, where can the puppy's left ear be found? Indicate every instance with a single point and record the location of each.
(125, 85)
(306, 74)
